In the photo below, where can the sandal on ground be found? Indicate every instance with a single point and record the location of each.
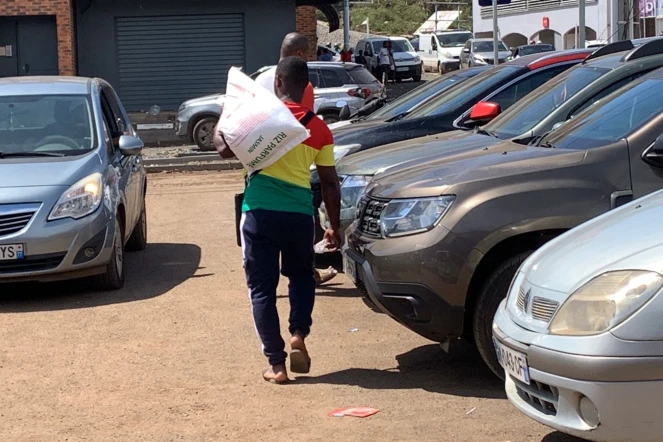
(323, 276)
(300, 362)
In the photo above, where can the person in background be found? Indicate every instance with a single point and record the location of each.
(385, 59)
(346, 56)
(326, 55)
(297, 45)
(277, 225)
(319, 54)
(360, 59)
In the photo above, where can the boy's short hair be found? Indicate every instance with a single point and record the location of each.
(294, 72)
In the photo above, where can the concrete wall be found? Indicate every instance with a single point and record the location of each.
(561, 21)
(61, 9)
(265, 23)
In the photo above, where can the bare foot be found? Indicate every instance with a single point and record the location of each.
(300, 362)
(277, 374)
(297, 342)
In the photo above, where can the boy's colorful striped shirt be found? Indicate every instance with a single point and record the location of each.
(285, 185)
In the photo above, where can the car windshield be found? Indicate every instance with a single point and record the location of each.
(401, 46)
(540, 103)
(409, 100)
(611, 119)
(487, 46)
(453, 40)
(529, 50)
(360, 75)
(457, 97)
(34, 124)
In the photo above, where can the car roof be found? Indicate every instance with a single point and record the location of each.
(656, 74)
(541, 59)
(46, 85)
(334, 64)
(535, 45)
(482, 39)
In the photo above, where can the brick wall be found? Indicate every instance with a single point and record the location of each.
(308, 26)
(63, 12)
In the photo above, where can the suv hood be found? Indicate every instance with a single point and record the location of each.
(437, 177)
(612, 241)
(32, 172)
(411, 152)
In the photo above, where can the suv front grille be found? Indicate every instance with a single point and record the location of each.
(368, 214)
(541, 396)
(15, 221)
(543, 309)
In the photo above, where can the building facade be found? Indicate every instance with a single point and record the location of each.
(154, 52)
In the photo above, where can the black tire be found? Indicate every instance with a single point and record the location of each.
(492, 293)
(138, 239)
(416, 78)
(113, 279)
(203, 133)
(331, 118)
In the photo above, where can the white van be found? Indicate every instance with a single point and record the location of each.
(441, 50)
(407, 61)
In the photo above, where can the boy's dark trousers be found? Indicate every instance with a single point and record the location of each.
(267, 235)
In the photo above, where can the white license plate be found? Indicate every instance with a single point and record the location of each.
(402, 69)
(350, 268)
(11, 252)
(514, 362)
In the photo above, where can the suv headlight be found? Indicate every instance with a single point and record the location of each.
(352, 188)
(79, 200)
(604, 302)
(407, 217)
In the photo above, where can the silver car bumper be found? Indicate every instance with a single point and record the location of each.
(54, 250)
(624, 392)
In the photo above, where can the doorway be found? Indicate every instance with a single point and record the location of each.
(28, 46)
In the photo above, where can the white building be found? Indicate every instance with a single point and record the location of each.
(556, 21)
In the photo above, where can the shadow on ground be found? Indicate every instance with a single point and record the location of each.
(561, 437)
(150, 273)
(460, 373)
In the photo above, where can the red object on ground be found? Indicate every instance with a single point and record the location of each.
(353, 411)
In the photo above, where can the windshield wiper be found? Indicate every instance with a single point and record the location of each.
(399, 116)
(487, 132)
(29, 154)
(548, 145)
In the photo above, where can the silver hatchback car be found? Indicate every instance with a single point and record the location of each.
(72, 183)
(580, 334)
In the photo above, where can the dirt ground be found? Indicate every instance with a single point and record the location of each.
(174, 357)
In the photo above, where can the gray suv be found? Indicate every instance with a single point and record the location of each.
(335, 83)
(436, 245)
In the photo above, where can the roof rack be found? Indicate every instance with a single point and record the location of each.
(611, 48)
(651, 48)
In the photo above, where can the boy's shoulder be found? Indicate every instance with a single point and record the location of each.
(320, 132)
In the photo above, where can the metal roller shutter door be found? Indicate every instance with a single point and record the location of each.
(166, 60)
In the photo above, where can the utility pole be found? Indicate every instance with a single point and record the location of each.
(496, 59)
(581, 24)
(346, 24)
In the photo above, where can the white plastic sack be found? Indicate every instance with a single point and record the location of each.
(257, 126)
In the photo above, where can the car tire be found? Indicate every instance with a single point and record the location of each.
(113, 278)
(440, 69)
(330, 118)
(416, 78)
(138, 239)
(203, 133)
(492, 293)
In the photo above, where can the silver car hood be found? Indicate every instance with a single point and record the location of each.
(33, 172)
(500, 54)
(207, 99)
(612, 241)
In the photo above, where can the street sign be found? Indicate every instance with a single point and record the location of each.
(490, 2)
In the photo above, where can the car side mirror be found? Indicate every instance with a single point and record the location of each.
(130, 145)
(653, 155)
(344, 114)
(466, 50)
(484, 111)
(435, 47)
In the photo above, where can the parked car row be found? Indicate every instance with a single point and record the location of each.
(462, 220)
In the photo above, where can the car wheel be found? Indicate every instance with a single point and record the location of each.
(113, 279)
(203, 133)
(492, 293)
(331, 118)
(440, 69)
(138, 239)
(416, 78)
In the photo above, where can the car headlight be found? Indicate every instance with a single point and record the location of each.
(447, 54)
(407, 217)
(604, 302)
(417, 58)
(79, 200)
(351, 189)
